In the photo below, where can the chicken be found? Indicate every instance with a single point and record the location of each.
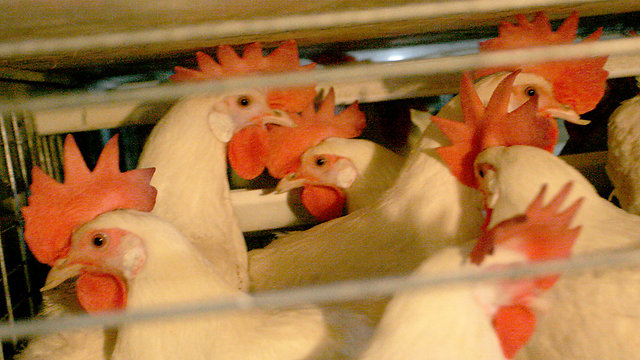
(158, 267)
(360, 170)
(287, 144)
(577, 85)
(566, 89)
(53, 212)
(188, 149)
(249, 148)
(593, 315)
(425, 210)
(83, 344)
(489, 320)
(313, 126)
(258, 145)
(191, 175)
(623, 157)
(255, 145)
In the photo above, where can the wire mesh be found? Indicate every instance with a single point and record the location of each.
(20, 273)
(21, 148)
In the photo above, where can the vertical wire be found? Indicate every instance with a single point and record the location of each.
(57, 155)
(17, 203)
(3, 264)
(41, 151)
(45, 156)
(21, 142)
(31, 139)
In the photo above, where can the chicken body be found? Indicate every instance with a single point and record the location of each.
(188, 150)
(483, 320)
(438, 323)
(593, 315)
(623, 157)
(425, 210)
(82, 196)
(83, 344)
(362, 169)
(162, 269)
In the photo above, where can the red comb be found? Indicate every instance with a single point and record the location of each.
(579, 83)
(291, 100)
(55, 209)
(287, 144)
(283, 58)
(543, 231)
(535, 33)
(284, 146)
(491, 126)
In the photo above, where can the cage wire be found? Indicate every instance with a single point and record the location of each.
(341, 74)
(20, 271)
(22, 148)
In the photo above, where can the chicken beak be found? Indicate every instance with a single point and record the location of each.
(566, 113)
(290, 182)
(61, 272)
(488, 184)
(278, 117)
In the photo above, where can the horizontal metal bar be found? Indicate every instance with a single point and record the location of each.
(230, 28)
(343, 291)
(336, 75)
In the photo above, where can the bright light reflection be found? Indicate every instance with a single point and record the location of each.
(395, 58)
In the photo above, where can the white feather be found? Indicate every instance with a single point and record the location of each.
(426, 209)
(448, 321)
(437, 323)
(623, 157)
(175, 273)
(191, 179)
(82, 344)
(594, 315)
(187, 154)
(377, 168)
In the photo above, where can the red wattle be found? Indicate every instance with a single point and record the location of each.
(100, 292)
(248, 150)
(514, 325)
(324, 203)
(484, 245)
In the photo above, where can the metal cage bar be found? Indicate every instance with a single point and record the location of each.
(16, 264)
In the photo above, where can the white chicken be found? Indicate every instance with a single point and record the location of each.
(360, 168)
(594, 315)
(53, 212)
(83, 344)
(565, 89)
(525, 86)
(623, 157)
(426, 209)
(188, 149)
(489, 320)
(159, 267)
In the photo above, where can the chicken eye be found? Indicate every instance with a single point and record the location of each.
(99, 240)
(481, 173)
(243, 101)
(530, 91)
(321, 160)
